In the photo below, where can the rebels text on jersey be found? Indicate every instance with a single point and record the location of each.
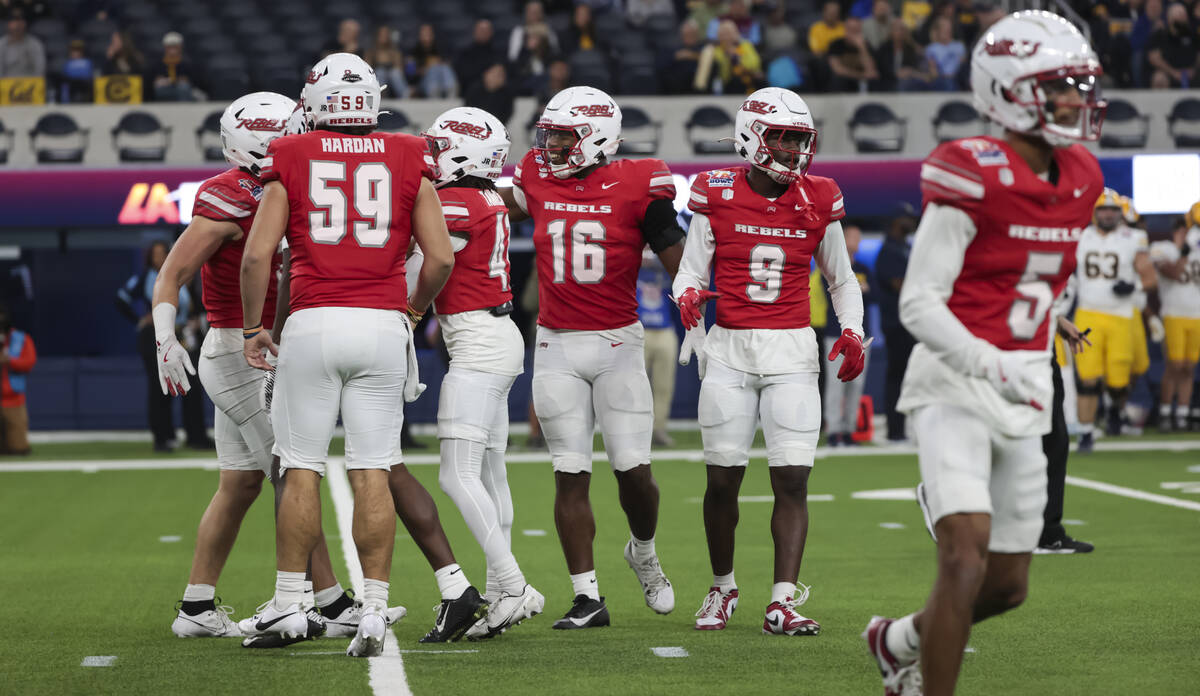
(480, 279)
(350, 200)
(231, 196)
(589, 239)
(763, 247)
(1026, 231)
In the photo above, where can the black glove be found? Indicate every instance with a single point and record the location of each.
(1185, 250)
(1123, 288)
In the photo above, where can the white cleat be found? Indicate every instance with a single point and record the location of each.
(507, 611)
(372, 631)
(214, 623)
(290, 622)
(660, 596)
(345, 625)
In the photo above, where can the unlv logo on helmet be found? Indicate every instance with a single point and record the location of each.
(463, 128)
(260, 124)
(594, 111)
(351, 76)
(313, 76)
(1008, 47)
(758, 107)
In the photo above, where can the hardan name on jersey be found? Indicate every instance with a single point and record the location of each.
(1045, 234)
(770, 231)
(352, 145)
(577, 207)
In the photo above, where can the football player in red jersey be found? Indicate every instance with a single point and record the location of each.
(469, 147)
(995, 247)
(593, 217)
(349, 200)
(758, 229)
(213, 242)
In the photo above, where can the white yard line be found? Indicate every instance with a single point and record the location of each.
(386, 672)
(1133, 493)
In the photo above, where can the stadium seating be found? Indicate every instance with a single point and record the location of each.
(1184, 122)
(1124, 126)
(57, 138)
(957, 119)
(140, 137)
(394, 121)
(6, 143)
(639, 134)
(208, 137)
(875, 128)
(705, 128)
(590, 68)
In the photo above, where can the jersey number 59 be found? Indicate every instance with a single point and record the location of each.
(372, 193)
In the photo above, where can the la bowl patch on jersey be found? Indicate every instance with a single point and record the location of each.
(255, 190)
(987, 153)
(720, 177)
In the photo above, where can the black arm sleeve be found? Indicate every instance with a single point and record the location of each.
(660, 228)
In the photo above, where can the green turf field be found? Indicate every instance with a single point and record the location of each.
(85, 572)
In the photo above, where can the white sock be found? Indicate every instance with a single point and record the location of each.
(783, 591)
(289, 589)
(902, 639)
(492, 588)
(375, 595)
(199, 593)
(725, 583)
(1086, 428)
(451, 580)
(509, 578)
(642, 550)
(309, 598)
(585, 584)
(329, 595)
(1164, 410)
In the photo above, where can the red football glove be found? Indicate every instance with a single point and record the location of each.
(853, 358)
(690, 303)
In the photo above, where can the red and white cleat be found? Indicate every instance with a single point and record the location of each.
(899, 678)
(717, 608)
(782, 618)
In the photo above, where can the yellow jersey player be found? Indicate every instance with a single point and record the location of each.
(1179, 268)
(1110, 260)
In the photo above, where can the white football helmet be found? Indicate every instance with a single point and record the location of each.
(774, 131)
(586, 114)
(297, 122)
(465, 141)
(1024, 63)
(249, 124)
(341, 90)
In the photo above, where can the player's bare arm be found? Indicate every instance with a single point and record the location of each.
(429, 230)
(515, 212)
(268, 229)
(283, 297)
(1145, 271)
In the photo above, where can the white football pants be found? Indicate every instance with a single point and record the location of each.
(242, 428)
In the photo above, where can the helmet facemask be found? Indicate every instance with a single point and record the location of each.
(558, 148)
(1047, 93)
(783, 152)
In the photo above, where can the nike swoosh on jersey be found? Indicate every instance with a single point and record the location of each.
(584, 620)
(609, 185)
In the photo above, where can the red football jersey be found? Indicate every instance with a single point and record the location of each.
(589, 240)
(231, 196)
(480, 276)
(764, 248)
(1026, 230)
(351, 199)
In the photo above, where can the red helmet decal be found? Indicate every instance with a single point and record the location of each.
(1009, 47)
(463, 128)
(758, 107)
(594, 111)
(260, 124)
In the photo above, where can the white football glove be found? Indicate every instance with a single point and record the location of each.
(693, 342)
(267, 391)
(1158, 332)
(1009, 374)
(173, 362)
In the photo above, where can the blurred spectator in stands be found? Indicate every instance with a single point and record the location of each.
(677, 64)
(429, 67)
(914, 13)
(122, 56)
(21, 53)
(661, 347)
(558, 78)
(348, 39)
(387, 59)
(1110, 39)
(535, 21)
(877, 28)
(638, 12)
(1148, 18)
(172, 78)
(778, 35)
(967, 21)
(737, 64)
(840, 399)
(478, 56)
(890, 266)
(581, 33)
(830, 28)
(705, 11)
(850, 59)
(533, 60)
(739, 14)
(75, 77)
(944, 54)
(30, 9)
(133, 301)
(17, 358)
(924, 33)
(1172, 53)
(900, 61)
(493, 93)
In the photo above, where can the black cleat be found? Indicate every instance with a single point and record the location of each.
(1086, 444)
(1064, 544)
(585, 613)
(455, 616)
(316, 629)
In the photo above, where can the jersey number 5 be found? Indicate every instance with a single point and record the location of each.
(587, 258)
(372, 192)
(1034, 295)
